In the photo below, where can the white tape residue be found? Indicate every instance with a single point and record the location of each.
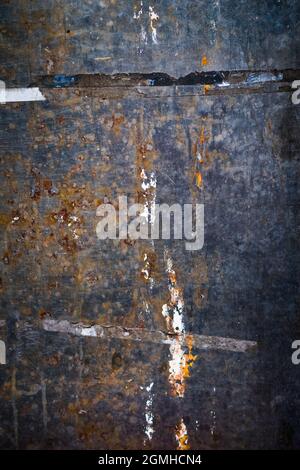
(11, 95)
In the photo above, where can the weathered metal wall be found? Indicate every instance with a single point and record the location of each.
(171, 36)
(89, 350)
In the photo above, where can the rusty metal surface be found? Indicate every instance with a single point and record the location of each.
(175, 37)
(88, 346)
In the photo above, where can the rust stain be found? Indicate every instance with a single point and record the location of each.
(182, 436)
(117, 121)
(182, 358)
(189, 358)
(199, 179)
(149, 265)
(204, 60)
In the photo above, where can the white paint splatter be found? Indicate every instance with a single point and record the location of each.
(137, 14)
(223, 84)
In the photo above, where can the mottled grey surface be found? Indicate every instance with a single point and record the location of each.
(85, 36)
(61, 158)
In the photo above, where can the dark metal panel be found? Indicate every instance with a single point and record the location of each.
(174, 37)
(89, 351)
(75, 151)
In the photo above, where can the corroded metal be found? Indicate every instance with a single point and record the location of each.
(226, 135)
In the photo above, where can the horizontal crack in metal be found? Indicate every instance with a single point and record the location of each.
(157, 79)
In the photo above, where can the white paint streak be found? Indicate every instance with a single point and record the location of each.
(213, 424)
(213, 414)
(174, 314)
(148, 185)
(147, 22)
(149, 431)
(137, 14)
(146, 271)
(153, 18)
(176, 364)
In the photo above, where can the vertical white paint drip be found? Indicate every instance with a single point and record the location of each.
(149, 430)
(153, 18)
(174, 314)
(213, 425)
(180, 360)
(143, 36)
(217, 9)
(145, 312)
(137, 14)
(213, 416)
(146, 271)
(176, 299)
(148, 185)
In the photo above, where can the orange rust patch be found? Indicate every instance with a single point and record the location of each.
(43, 314)
(182, 436)
(202, 136)
(189, 358)
(179, 372)
(204, 60)
(198, 177)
